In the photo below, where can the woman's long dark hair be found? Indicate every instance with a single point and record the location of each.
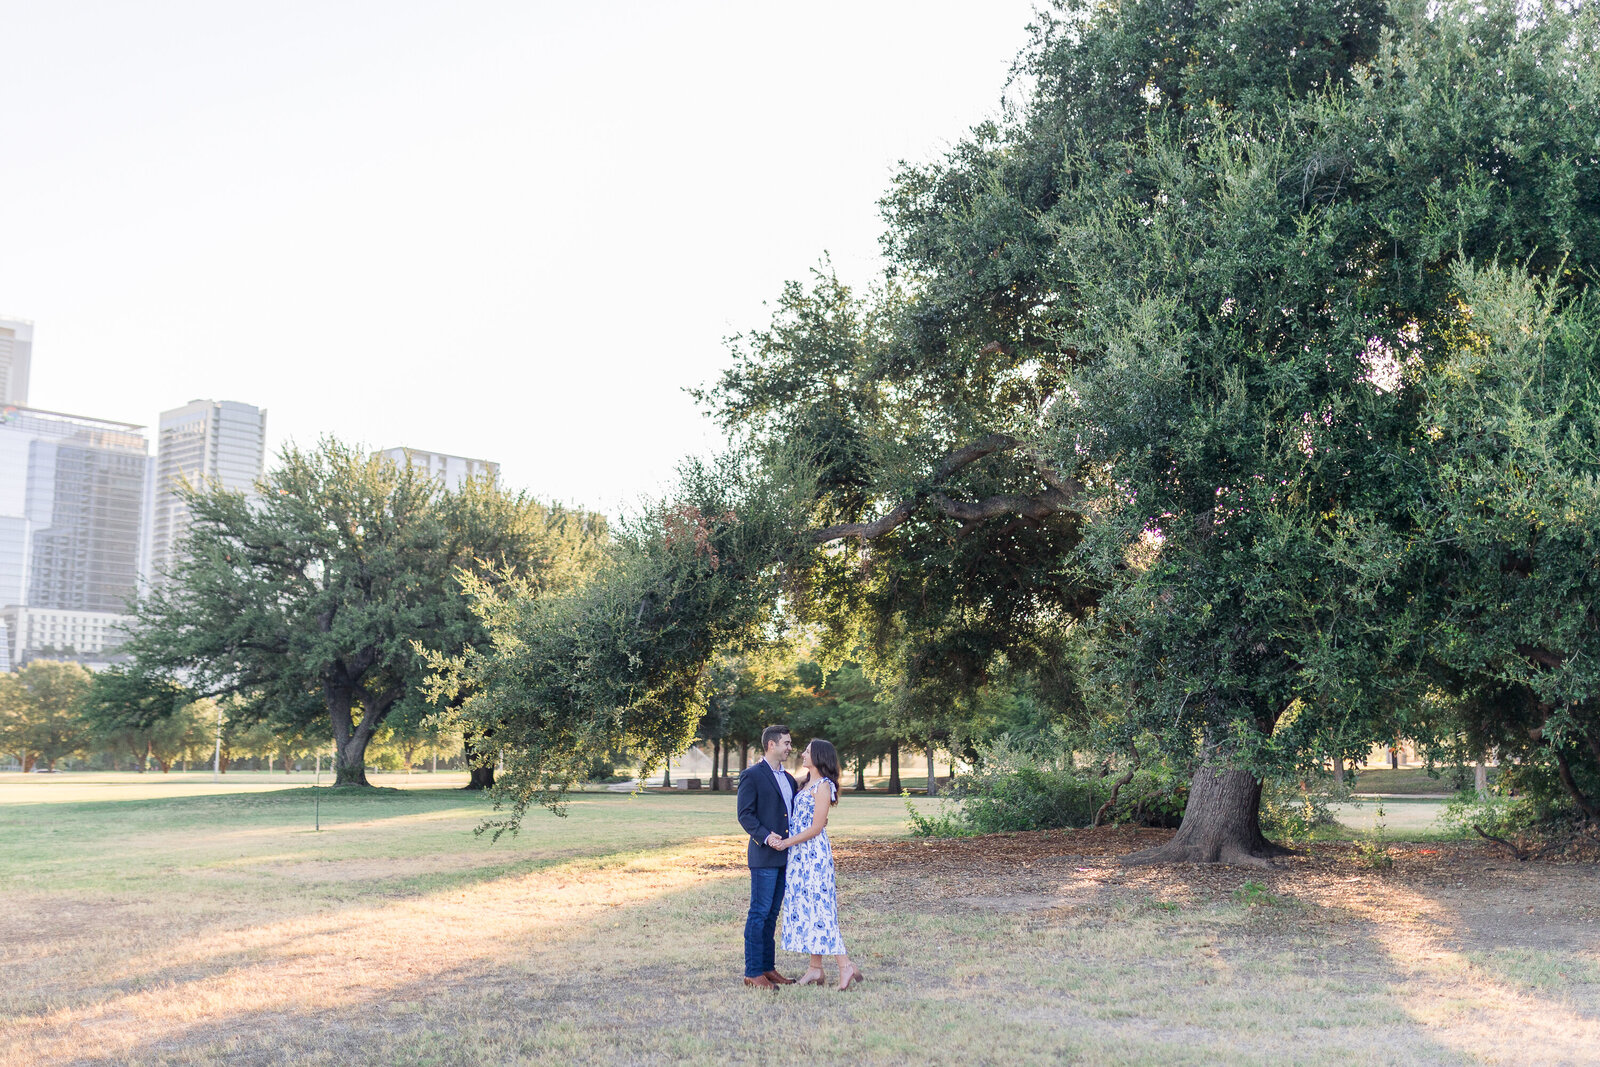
(825, 758)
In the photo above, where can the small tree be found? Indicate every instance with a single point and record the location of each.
(127, 708)
(41, 711)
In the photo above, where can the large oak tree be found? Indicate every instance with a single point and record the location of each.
(307, 599)
(1151, 359)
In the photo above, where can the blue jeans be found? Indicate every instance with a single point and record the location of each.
(760, 926)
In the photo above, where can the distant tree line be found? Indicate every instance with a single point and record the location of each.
(299, 615)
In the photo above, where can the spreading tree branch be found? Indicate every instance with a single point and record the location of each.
(1059, 497)
(1116, 787)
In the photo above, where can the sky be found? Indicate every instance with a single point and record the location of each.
(512, 231)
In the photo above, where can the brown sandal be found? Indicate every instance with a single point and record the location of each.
(855, 976)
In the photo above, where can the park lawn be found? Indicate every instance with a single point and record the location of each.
(148, 927)
(1411, 780)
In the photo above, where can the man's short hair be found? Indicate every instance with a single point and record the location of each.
(771, 734)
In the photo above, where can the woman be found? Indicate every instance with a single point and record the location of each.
(810, 903)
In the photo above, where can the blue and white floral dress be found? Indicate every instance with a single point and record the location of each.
(810, 898)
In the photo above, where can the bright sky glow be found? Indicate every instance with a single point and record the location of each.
(508, 230)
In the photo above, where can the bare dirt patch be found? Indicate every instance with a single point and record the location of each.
(1495, 896)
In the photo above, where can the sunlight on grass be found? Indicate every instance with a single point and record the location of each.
(218, 928)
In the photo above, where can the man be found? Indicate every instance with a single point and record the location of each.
(766, 796)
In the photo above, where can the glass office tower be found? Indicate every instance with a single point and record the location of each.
(206, 442)
(71, 490)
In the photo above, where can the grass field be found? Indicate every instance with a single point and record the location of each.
(167, 920)
(1412, 780)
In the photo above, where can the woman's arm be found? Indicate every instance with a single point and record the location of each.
(819, 822)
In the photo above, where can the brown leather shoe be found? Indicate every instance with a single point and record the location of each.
(777, 979)
(761, 982)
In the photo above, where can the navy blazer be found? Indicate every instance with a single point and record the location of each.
(762, 812)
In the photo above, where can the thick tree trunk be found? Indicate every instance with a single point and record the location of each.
(933, 782)
(861, 776)
(350, 760)
(350, 739)
(1480, 779)
(716, 750)
(1221, 823)
(895, 788)
(1563, 771)
(744, 756)
(478, 777)
(1338, 769)
(726, 755)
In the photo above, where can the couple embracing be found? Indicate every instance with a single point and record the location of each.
(791, 861)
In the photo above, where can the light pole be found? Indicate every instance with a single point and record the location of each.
(216, 759)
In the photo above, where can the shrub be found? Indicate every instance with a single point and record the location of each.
(1529, 813)
(1519, 824)
(946, 823)
(1030, 798)
(1156, 796)
(1018, 786)
(1294, 808)
(1372, 849)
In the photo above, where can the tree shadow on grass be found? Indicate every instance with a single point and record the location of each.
(644, 966)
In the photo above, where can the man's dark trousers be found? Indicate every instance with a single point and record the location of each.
(762, 811)
(761, 925)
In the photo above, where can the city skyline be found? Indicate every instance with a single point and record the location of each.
(467, 229)
(89, 516)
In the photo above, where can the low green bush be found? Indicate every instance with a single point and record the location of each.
(946, 822)
(1030, 798)
(1294, 809)
(1021, 787)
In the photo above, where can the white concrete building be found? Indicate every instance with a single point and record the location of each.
(213, 442)
(451, 470)
(16, 353)
(89, 637)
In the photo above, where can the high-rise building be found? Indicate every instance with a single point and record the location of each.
(71, 496)
(206, 442)
(16, 353)
(451, 470)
